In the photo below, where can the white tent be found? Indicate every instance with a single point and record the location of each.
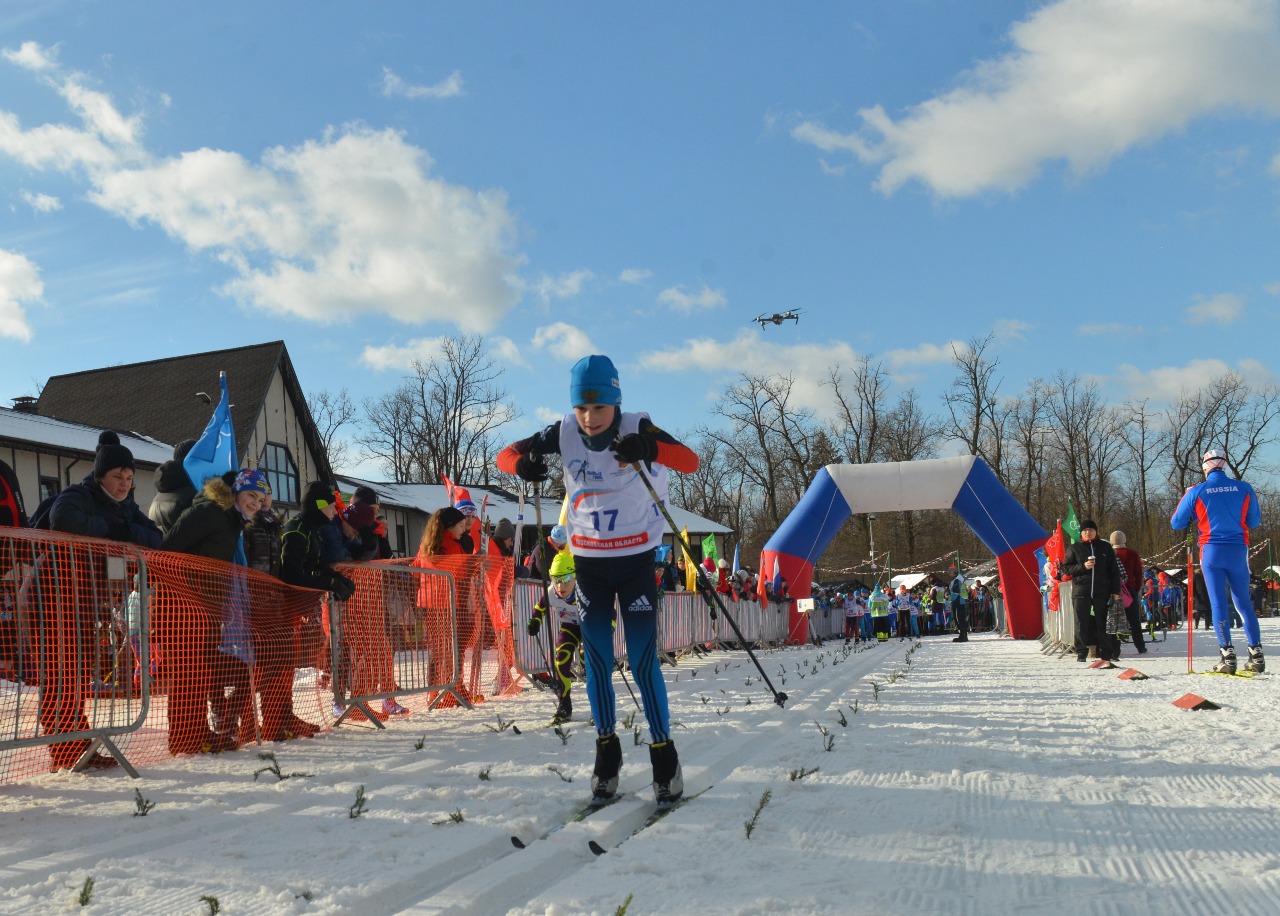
(910, 580)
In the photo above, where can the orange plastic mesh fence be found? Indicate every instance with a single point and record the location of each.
(66, 658)
(173, 654)
(389, 644)
(481, 587)
(235, 656)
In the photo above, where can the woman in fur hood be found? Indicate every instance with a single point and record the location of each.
(211, 527)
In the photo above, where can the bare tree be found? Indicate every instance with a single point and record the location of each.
(391, 434)
(973, 402)
(1027, 465)
(860, 407)
(1225, 414)
(1087, 440)
(331, 412)
(910, 434)
(444, 418)
(1143, 440)
(768, 439)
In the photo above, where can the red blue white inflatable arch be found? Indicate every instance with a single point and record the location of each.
(964, 484)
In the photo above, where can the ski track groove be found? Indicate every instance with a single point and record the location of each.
(105, 842)
(496, 885)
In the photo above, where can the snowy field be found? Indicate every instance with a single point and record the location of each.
(980, 778)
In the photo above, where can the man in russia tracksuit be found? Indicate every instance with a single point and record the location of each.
(1224, 510)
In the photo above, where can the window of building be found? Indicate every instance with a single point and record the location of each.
(49, 487)
(282, 473)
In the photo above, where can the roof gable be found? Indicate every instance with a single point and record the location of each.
(160, 398)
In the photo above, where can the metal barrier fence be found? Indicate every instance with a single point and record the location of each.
(147, 654)
(66, 655)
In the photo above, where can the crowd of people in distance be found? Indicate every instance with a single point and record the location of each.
(928, 609)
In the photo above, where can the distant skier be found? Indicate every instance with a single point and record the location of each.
(613, 528)
(566, 613)
(1224, 510)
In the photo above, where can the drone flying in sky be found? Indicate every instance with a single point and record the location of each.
(778, 318)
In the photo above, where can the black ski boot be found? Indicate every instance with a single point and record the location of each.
(1256, 664)
(604, 778)
(1228, 663)
(564, 712)
(668, 780)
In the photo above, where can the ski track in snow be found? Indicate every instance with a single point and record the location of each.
(989, 777)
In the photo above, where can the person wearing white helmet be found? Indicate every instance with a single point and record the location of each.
(1224, 509)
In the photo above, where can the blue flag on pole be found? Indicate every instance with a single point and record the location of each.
(736, 565)
(215, 451)
(212, 456)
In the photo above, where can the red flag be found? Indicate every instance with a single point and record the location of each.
(1056, 551)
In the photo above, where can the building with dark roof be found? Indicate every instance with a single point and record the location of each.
(171, 400)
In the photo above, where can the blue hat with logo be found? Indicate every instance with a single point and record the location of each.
(594, 380)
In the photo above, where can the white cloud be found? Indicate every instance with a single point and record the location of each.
(1110, 329)
(402, 356)
(1011, 329)
(506, 351)
(349, 224)
(1272, 289)
(1086, 80)
(564, 286)
(546, 415)
(748, 351)
(635, 275)
(448, 87)
(923, 354)
(33, 56)
(1168, 382)
(41, 203)
(19, 283)
(681, 301)
(564, 341)
(1224, 308)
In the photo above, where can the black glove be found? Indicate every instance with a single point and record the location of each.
(635, 447)
(119, 531)
(341, 587)
(532, 467)
(535, 622)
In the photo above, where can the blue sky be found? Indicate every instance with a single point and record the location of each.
(1092, 181)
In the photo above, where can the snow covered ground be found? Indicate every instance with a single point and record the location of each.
(979, 778)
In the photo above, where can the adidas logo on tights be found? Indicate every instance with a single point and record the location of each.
(640, 604)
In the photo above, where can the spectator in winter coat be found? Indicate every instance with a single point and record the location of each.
(207, 655)
(100, 506)
(364, 629)
(1132, 564)
(1096, 575)
(174, 490)
(302, 547)
(276, 632)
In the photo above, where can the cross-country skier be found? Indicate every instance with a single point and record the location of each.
(1224, 510)
(566, 614)
(613, 528)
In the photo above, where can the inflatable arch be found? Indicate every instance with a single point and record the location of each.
(964, 484)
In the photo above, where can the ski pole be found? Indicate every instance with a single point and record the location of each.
(708, 593)
(542, 573)
(623, 672)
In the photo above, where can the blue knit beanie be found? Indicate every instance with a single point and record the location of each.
(594, 380)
